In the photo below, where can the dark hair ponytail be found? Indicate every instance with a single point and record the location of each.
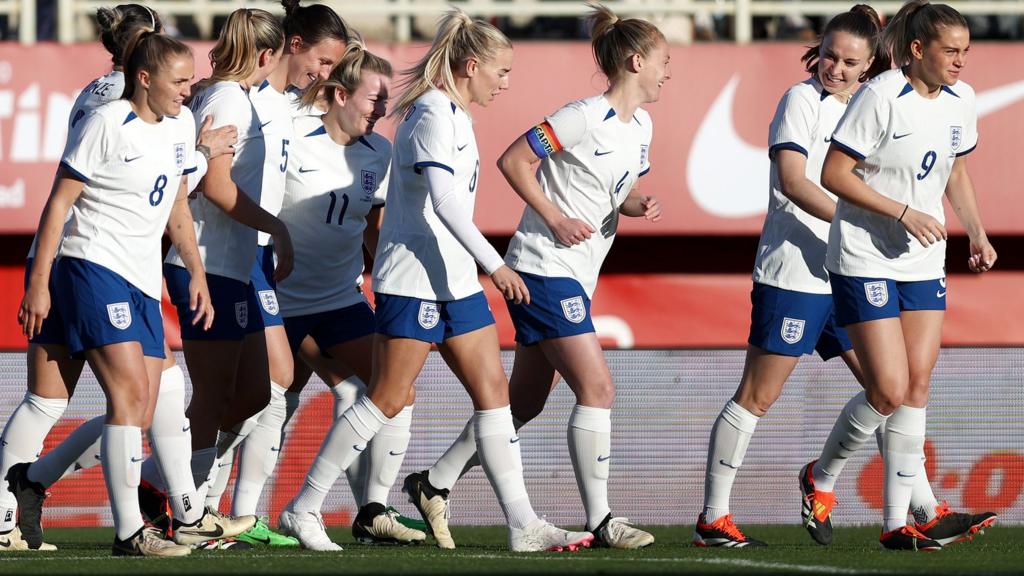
(918, 20)
(313, 23)
(148, 50)
(863, 22)
(119, 24)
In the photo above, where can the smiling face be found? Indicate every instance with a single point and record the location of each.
(653, 71)
(357, 113)
(489, 78)
(942, 59)
(169, 85)
(306, 63)
(842, 61)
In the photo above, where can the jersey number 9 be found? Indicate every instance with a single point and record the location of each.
(927, 163)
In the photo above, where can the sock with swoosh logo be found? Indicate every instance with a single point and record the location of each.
(258, 454)
(345, 395)
(121, 447)
(170, 438)
(730, 436)
(903, 446)
(590, 448)
(385, 455)
(856, 423)
(23, 441)
(922, 500)
(498, 448)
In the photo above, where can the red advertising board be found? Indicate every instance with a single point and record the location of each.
(709, 155)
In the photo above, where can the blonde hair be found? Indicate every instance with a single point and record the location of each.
(918, 20)
(119, 24)
(458, 38)
(614, 40)
(348, 73)
(246, 33)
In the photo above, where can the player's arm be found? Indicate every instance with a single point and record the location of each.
(519, 166)
(636, 205)
(183, 236)
(792, 169)
(371, 234)
(211, 143)
(219, 189)
(960, 192)
(35, 306)
(837, 176)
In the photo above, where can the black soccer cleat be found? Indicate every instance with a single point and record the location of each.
(908, 538)
(816, 509)
(948, 527)
(722, 533)
(30, 496)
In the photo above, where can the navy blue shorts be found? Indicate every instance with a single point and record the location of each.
(262, 293)
(860, 299)
(230, 308)
(794, 323)
(332, 327)
(52, 331)
(430, 321)
(99, 307)
(558, 307)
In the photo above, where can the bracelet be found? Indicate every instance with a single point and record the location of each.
(905, 208)
(204, 150)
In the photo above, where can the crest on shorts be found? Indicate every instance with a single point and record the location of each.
(242, 313)
(877, 293)
(574, 310)
(268, 299)
(429, 315)
(792, 330)
(179, 155)
(956, 137)
(369, 179)
(120, 315)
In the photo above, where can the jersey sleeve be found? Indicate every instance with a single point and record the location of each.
(862, 128)
(192, 157)
(380, 196)
(793, 125)
(228, 107)
(89, 146)
(433, 139)
(563, 129)
(970, 137)
(645, 149)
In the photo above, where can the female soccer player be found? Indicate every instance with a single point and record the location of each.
(425, 278)
(117, 169)
(901, 144)
(792, 310)
(591, 154)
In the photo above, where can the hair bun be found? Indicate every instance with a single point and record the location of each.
(290, 6)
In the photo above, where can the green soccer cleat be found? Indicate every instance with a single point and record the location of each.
(406, 521)
(262, 535)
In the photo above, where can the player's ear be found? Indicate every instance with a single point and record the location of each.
(917, 49)
(144, 79)
(266, 55)
(295, 44)
(470, 66)
(635, 63)
(340, 96)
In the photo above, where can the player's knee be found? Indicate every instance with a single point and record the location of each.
(390, 407)
(886, 401)
(527, 411)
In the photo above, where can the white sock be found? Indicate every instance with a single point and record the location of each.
(502, 461)
(122, 466)
(345, 394)
(347, 438)
(904, 444)
(856, 423)
(730, 437)
(590, 446)
(257, 456)
(220, 473)
(385, 456)
(170, 438)
(456, 460)
(23, 440)
(81, 449)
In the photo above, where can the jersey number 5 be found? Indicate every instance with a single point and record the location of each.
(284, 154)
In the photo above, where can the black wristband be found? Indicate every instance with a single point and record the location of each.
(905, 208)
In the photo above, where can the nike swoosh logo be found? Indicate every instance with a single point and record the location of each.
(721, 190)
(139, 459)
(186, 428)
(6, 543)
(461, 148)
(603, 458)
(275, 449)
(208, 533)
(357, 448)
(264, 540)
(902, 475)
(898, 136)
(827, 140)
(599, 153)
(726, 464)
(513, 441)
(940, 293)
(393, 453)
(942, 282)
(127, 159)
(307, 170)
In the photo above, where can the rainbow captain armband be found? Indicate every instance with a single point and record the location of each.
(542, 140)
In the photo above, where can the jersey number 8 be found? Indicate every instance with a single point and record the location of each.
(157, 194)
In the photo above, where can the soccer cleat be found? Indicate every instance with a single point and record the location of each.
(261, 534)
(722, 533)
(433, 506)
(308, 528)
(908, 538)
(223, 544)
(376, 525)
(30, 496)
(619, 533)
(406, 521)
(816, 511)
(212, 526)
(155, 507)
(148, 542)
(12, 541)
(541, 536)
(948, 527)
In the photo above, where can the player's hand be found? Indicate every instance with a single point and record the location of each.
(199, 301)
(510, 285)
(926, 229)
(35, 307)
(283, 252)
(651, 208)
(983, 255)
(220, 141)
(571, 231)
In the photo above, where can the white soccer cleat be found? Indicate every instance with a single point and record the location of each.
(149, 542)
(13, 541)
(308, 528)
(432, 504)
(619, 533)
(540, 536)
(212, 526)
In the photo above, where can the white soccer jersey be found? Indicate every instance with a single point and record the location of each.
(275, 113)
(131, 171)
(791, 254)
(417, 256)
(227, 247)
(591, 161)
(330, 190)
(905, 145)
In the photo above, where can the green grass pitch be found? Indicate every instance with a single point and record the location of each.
(482, 550)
